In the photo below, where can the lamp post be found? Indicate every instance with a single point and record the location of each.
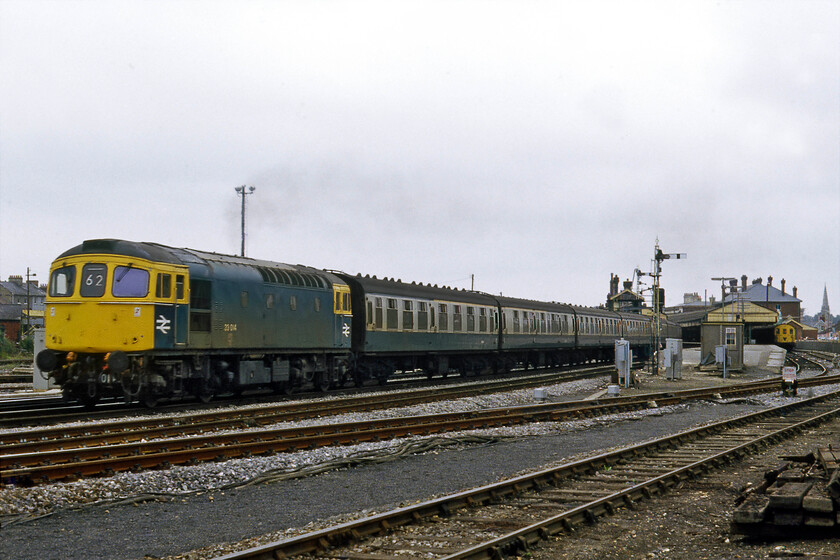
(243, 190)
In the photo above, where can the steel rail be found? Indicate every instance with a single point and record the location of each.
(325, 541)
(33, 466)
(136, 429)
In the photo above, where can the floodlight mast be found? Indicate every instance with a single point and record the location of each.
(242, 191)
(658, 257)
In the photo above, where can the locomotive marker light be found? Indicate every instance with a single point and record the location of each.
(243, 190)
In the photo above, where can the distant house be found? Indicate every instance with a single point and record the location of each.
(10, 322)
(15, 291)
(14, 295)
(626, 300)
(766, 295)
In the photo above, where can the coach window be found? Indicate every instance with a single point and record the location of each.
(443, 317)
(391, 315)
(470, 319)
(542, 323)
(457, 319)
(62, 281)
(423, 316)
(93, 280)
(532, 321)
(408, 315)
(130, 282)
(378, 314)
(163, 289)
(482, 319)
(370, 313)
(515, 321)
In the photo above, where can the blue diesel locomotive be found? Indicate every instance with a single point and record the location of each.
(145, 322)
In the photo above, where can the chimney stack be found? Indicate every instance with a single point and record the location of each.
(743, 282)
(794, 291)
(783, 286)
(769, 281)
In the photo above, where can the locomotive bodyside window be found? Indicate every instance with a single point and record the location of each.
(63, 281)
(200, 306)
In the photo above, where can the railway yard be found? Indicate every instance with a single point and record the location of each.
(460, 470)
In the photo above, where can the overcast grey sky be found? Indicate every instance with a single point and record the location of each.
(540, 146)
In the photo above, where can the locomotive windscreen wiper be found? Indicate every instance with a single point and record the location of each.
(124, 272)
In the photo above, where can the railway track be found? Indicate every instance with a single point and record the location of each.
(48, 455)
(34, 411)
(510, 517)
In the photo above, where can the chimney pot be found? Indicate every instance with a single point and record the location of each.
(783, 286)
(769, 280)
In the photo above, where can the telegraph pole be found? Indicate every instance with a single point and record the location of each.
(244, 191)
(658, 257)
(28, 305)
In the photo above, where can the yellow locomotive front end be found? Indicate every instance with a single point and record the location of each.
(103, 312)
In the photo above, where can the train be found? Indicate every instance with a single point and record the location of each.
(784, 335)
(145, 322)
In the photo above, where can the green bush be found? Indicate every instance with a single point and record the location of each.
(27, 345)
(6, 347)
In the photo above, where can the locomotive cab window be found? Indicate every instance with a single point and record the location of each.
(130, 282)
(62, 281)
(94, 277)
(163, 288)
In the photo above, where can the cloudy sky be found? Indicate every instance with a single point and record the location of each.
(539, 146)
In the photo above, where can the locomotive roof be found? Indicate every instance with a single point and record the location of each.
(156, 252)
